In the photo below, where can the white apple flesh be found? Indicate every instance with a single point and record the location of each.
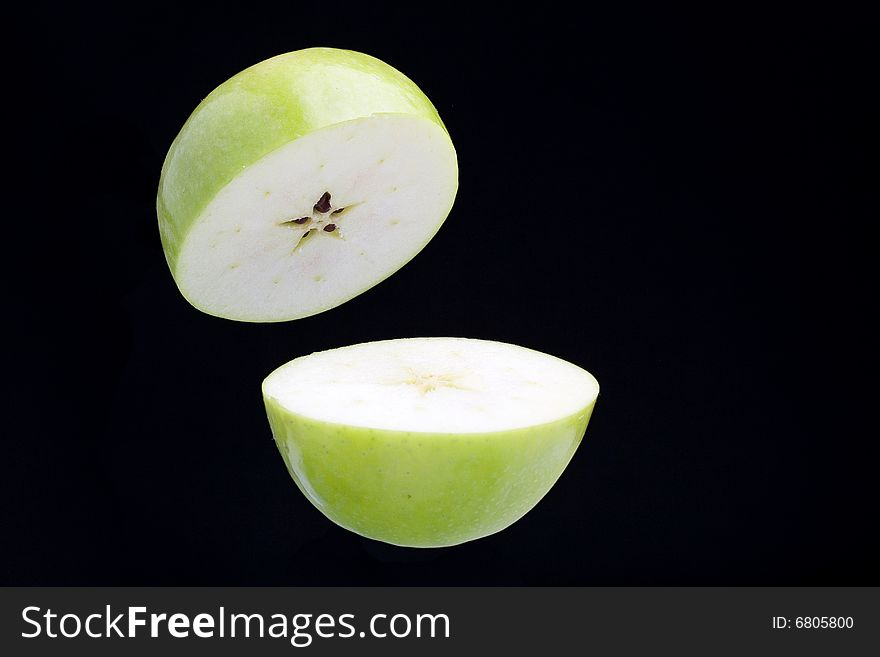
(302, 182)
(428, 442)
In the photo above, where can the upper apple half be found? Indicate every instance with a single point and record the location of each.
(300, 183)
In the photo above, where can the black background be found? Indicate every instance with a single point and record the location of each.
(676, 202)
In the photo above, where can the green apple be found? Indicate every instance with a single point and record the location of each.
(300, 183)
(427, 442)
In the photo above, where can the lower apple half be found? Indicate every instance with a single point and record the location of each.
(428, 442)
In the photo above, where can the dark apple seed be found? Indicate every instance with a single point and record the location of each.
(329, 228)
(301, 220)
(323, 204)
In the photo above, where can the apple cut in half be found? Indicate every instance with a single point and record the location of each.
(427, 442)
(300, 183)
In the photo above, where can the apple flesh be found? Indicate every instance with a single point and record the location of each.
(300, 183)
(427, 442)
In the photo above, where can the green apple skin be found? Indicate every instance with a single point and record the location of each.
(264, 107)
(423, 489)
